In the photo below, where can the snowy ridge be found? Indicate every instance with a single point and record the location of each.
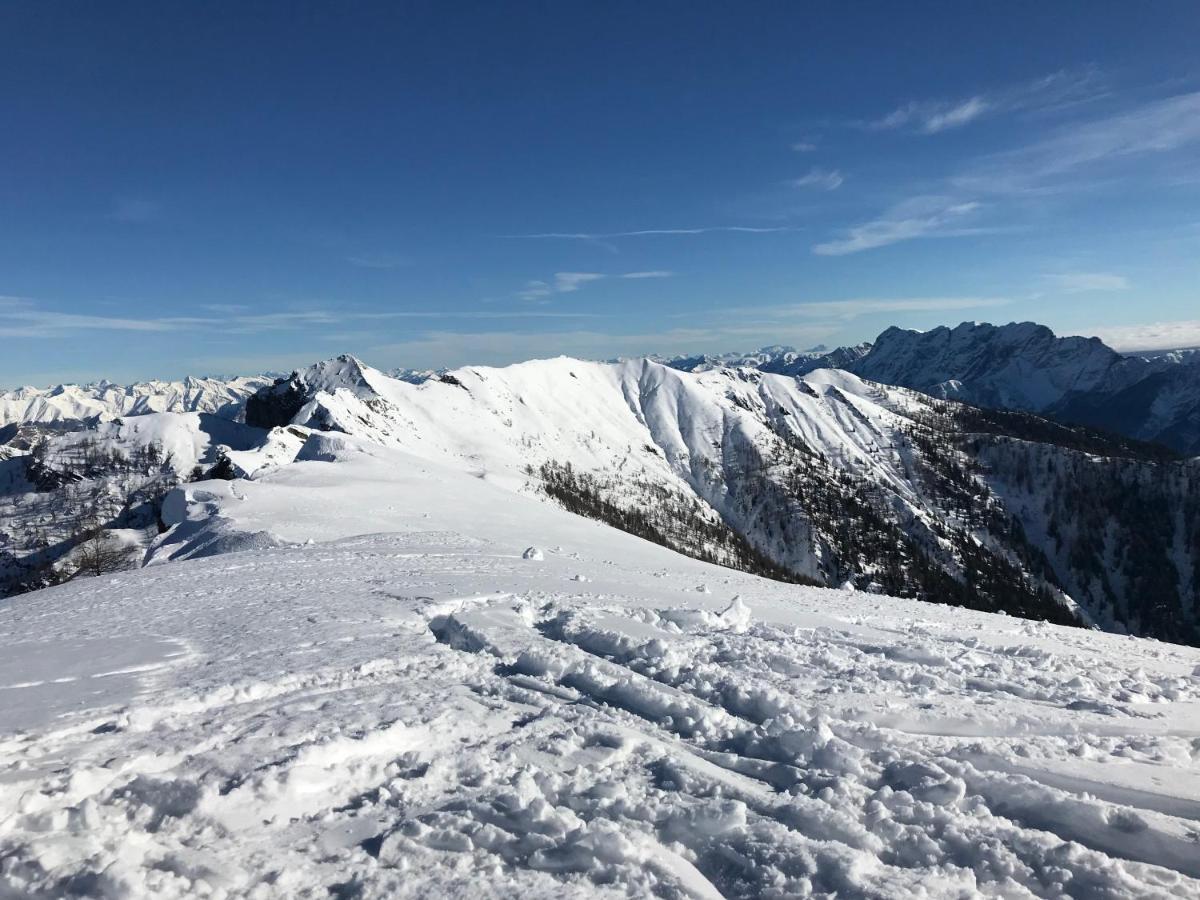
(832, 477)
(105, 400)
(400, 699)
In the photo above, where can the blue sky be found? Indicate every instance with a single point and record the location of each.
(229, 187)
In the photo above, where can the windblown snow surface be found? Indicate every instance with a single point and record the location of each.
(369, 674)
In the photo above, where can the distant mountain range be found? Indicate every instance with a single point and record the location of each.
(1019, 366)
(928, 464)
(104, 400)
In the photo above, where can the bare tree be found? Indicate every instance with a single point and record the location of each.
(101, 552)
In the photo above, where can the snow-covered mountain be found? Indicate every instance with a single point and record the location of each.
(1016, 366)
(1021, 366)
(1025, 366)
(826, 479)
(105, 400)
(416, 678)
(829, 478)
(777, 359)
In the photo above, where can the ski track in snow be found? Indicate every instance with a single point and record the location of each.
(397, 715)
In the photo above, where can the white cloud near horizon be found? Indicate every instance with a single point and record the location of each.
(1149, 335)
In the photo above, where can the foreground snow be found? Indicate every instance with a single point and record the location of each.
(418, 683)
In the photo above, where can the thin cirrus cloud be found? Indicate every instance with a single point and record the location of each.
(650, 232)
(1067, 159)
(1086, 282)
(931, 116)
(1052, 91)
(23, 318)
(569, 282)
(918, 217)
(819, 179)
(1067, 153)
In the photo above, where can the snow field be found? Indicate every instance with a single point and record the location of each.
(387, 696)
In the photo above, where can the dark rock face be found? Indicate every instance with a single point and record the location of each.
(277, 405)
(1016, 366)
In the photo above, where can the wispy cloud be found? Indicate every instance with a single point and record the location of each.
(569, 282)
(1084, 282)
(378, 261)
(1160, 126)
(919, 217)
(649, 232)
(820, 179)
(852, 309)
(21, 317)
(804, 146)
(1149, 335)
(935, 116)
(932, 116)
(1070, 158)
(562, 283)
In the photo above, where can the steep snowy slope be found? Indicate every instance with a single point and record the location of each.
(827, 478)
(105, 400)
(459, 691)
